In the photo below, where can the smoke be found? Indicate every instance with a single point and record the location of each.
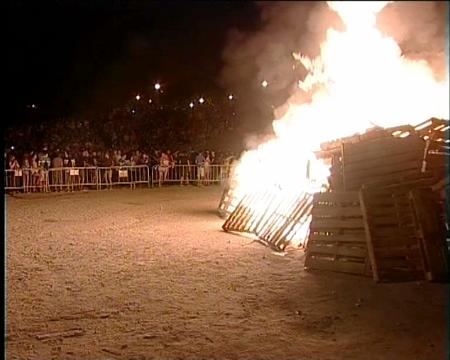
(419, 27)
(266, 54)
(287, 27)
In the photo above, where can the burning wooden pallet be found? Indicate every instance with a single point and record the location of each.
(382, 161)
(336, 238)
(388, 156)
(379, 217)
(276, 219)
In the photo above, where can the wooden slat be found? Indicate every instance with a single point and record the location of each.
(385, 144)
(338, 250)
(351, 223)
(340, 266)
(369, 237)
(386, 169)
(431, 234)
(378, 159)
(384, 180)
(341, 238)
(337, 211)
(337, 197)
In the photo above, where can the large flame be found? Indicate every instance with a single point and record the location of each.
(360, 79)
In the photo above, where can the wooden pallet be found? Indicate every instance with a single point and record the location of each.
(393, 244)
(275, 219)
(431, 232)
(225, 201)
(369, 157)
(336, 239)
(388, 160)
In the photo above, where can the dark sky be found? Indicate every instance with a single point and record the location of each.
(72, 57)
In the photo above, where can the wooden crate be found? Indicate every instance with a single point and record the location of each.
(336, 239)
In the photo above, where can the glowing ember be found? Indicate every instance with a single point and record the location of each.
(359, 79)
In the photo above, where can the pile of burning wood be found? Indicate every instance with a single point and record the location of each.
(382, 216)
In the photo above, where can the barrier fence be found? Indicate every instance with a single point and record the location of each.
(81, 178)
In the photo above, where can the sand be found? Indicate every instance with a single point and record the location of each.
(148, 274)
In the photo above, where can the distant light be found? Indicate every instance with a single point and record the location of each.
(12, 147)
(230, 97)
(157, 86)
(264, 83)
(133, 111)
(201, 100)
(138, 97)
(149, 101)
(33, 106)
(191, 105)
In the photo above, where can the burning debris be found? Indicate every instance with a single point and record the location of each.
(362, 204)
(380, 215)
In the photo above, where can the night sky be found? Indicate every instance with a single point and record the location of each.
(81, 57)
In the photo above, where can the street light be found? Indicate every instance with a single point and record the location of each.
(150, 101)
(157, 86)
(191, 105)
(201, 100)
(264, 83)
(230, 97)
(138, 97)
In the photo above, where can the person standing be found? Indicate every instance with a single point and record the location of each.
(163, 169)
(57, 174)
(200, 162)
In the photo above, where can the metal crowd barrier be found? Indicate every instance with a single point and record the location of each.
(190, 174)
(123, 175)
(80, 178)
(75, 178)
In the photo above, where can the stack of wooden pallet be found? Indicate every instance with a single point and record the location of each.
(393, 172)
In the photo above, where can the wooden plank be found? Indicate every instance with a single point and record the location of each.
(369, 237)
(431, 234)
(384, 180)
(380, 160)
(382, 172)
(384, 169)
(398, 251)
(336, 211)
(336, 197)
(385, 144)
(323, 224)
(338, 250)
(342, 238)
(339, 266)
(377, 152)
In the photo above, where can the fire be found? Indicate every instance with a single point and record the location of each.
(359, 80)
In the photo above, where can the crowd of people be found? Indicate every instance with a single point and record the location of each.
(31, 169)
(136, 134)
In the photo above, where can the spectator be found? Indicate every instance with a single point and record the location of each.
(163, 170)
(200, 162)
(57, 175)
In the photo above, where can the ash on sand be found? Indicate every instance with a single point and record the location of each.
(141, 274)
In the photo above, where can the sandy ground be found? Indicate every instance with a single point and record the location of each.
(148, 274)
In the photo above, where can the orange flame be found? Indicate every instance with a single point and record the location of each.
(360, 79)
